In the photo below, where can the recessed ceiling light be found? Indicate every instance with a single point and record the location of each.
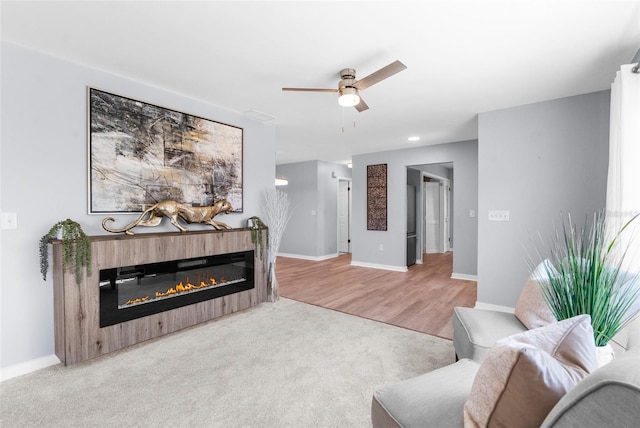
(414, 138)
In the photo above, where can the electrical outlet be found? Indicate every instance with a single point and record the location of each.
(380, 247)
(9, 221)
(498, 215)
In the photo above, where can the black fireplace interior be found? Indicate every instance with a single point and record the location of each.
(131, 292)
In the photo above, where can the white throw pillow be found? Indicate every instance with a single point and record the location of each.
(532, 309)
(524, 376)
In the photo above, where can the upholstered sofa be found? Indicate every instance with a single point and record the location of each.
(608, 396)
(509, 363)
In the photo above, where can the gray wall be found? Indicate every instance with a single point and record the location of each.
(301, 234)
(312, 189)
(43, 178)
(435, 169)
(464, 156)
(536, 161)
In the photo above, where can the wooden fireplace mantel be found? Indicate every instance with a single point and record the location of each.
(78, 336)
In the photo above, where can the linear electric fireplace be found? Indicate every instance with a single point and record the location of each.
(131, 292)
(197, 276)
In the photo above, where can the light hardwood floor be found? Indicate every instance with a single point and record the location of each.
(421, 299)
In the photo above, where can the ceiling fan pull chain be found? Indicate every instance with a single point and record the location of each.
(343, 120)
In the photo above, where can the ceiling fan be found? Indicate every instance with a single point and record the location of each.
(348, 87)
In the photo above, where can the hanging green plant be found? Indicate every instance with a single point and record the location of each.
(257, 226)
(76, 248)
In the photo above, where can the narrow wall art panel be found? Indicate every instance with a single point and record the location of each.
(140, 154)
(377, 197)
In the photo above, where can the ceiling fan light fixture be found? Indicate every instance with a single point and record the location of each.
(348, 97)
(348, 86)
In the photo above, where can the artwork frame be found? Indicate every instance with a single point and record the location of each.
(141, 153)
(377, 197)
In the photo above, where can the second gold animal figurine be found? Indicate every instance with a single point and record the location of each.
(173, 210)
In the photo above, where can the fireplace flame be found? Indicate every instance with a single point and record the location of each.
(138, 300)
(181, 287)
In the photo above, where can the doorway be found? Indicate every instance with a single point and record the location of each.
(436, 211)
(344, 215)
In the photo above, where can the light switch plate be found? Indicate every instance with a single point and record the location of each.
(498, 215)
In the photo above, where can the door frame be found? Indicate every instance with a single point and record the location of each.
(444, 208)
(349, 213)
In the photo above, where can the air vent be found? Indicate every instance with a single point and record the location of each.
(258, 115)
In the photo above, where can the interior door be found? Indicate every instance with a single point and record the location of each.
(344, 214)
(431, 216)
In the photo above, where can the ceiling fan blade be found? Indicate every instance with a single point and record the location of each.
(377, 76)
(361, 106)
(309, 90)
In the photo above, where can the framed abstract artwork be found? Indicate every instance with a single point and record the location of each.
(140, 154)
(377, 197)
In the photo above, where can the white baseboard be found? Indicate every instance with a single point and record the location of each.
(490, 306)
(331, 256)
(28, 367)
(312, 258)
(464, 276)
(383, 267)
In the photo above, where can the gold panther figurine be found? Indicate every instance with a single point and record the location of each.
(173, 210)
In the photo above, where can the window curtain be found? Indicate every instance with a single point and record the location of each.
(623, 184)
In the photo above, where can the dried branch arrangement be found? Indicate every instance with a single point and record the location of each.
(276, 212)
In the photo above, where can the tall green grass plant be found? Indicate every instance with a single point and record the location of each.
(586, 276)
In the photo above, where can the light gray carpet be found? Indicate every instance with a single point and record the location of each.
(283, 364)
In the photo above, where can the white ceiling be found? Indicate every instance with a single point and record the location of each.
(463, 58)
